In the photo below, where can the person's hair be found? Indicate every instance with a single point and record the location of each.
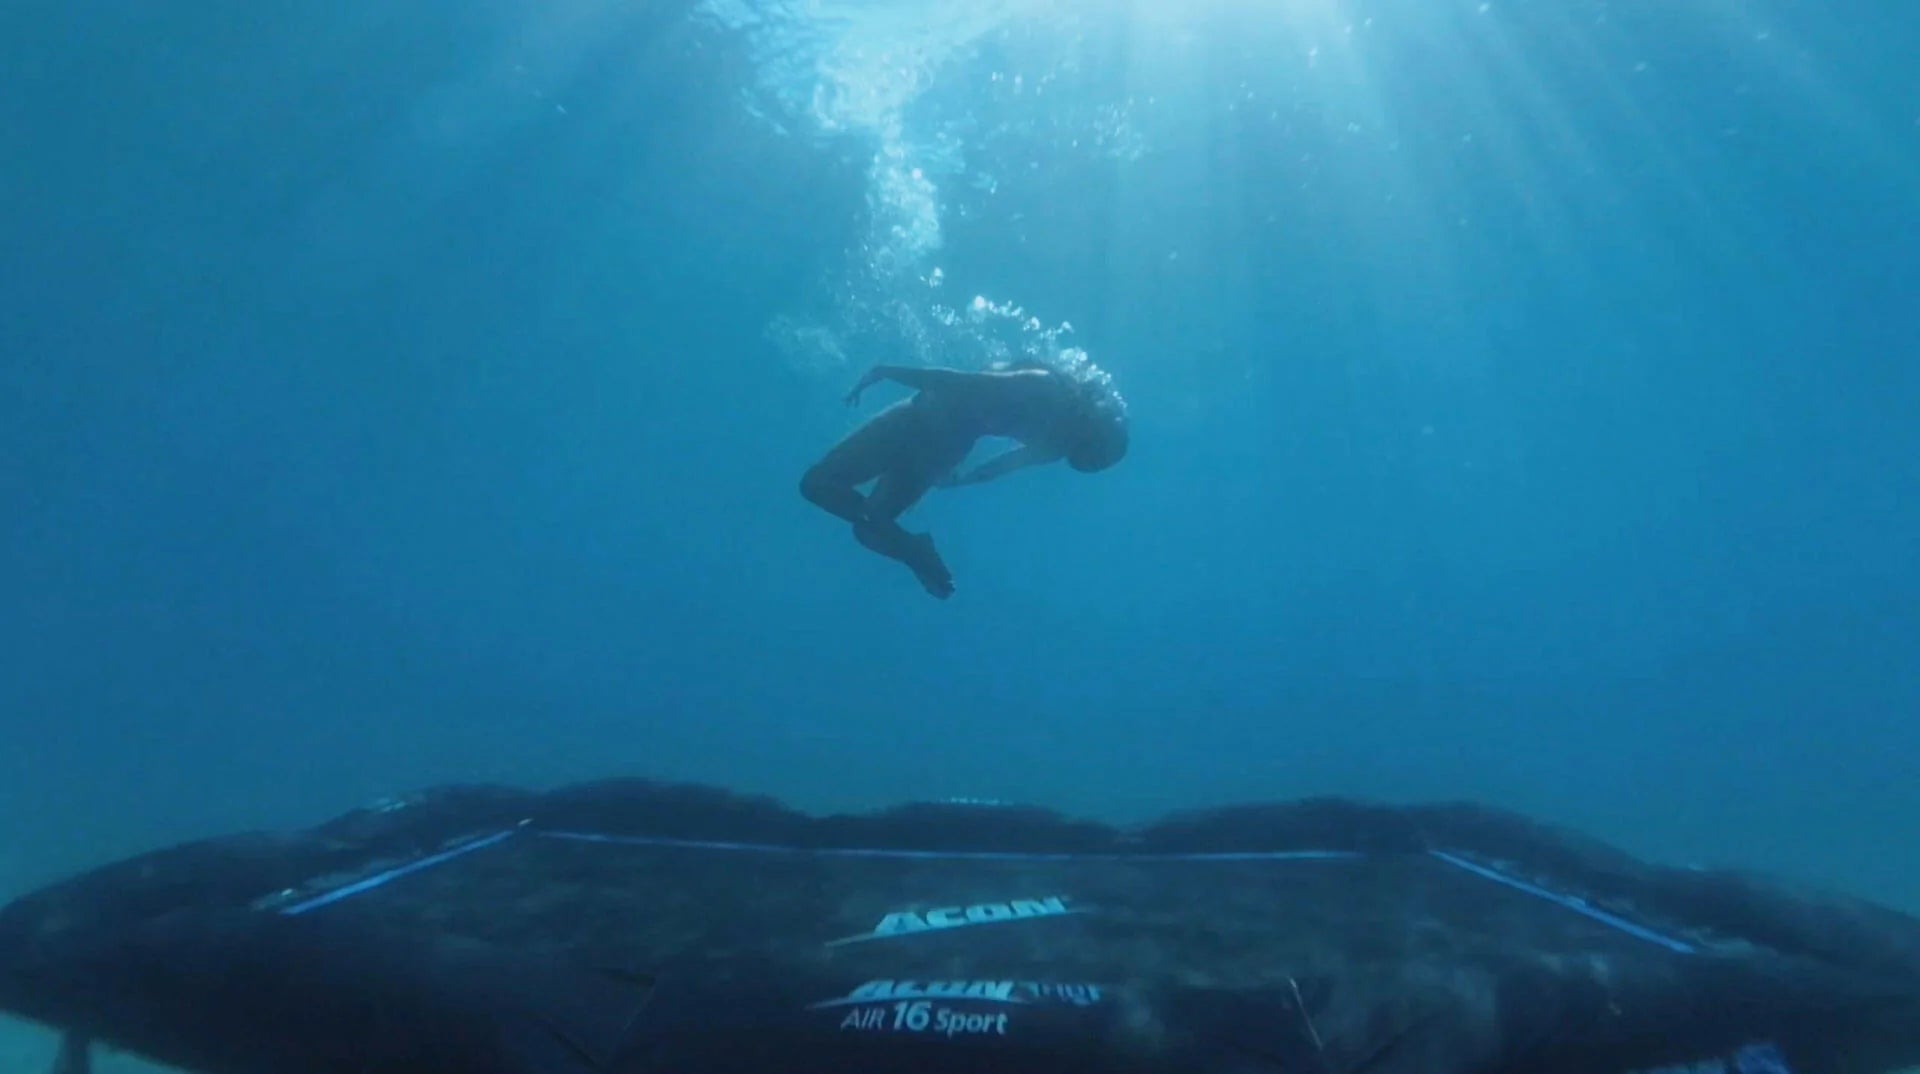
(1102, 441)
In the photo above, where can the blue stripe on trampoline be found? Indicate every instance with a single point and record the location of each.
(361, 886)
(1577, 905)
(942, 855)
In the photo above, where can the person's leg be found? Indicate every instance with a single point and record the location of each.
(916, 550)
(907, 448)
(880, 531)
(832, 484)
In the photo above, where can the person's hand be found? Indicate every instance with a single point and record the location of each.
(867, 380)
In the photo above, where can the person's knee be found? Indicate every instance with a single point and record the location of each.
(831, 493)
(816, 487)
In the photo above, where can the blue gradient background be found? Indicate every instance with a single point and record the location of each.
(1524, 406)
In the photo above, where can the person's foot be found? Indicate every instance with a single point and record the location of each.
(929, 567)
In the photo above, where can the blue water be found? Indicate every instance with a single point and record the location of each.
(1524, 408)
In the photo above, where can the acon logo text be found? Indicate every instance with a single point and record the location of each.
(913, 922)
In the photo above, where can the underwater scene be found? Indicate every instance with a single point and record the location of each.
(1123, 408)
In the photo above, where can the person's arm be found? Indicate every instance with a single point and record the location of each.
(927, 378)
(1001, 465)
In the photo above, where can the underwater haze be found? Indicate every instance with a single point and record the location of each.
(1524, 400)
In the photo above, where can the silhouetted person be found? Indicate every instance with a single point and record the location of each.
(916, 444)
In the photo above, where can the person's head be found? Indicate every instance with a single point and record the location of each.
(1099, 441)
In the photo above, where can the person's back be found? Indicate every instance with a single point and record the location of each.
(1036, 407)
(917, 444)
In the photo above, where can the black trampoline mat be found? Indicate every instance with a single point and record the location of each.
(1208, 920)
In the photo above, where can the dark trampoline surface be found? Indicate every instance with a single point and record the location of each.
(633, 926)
